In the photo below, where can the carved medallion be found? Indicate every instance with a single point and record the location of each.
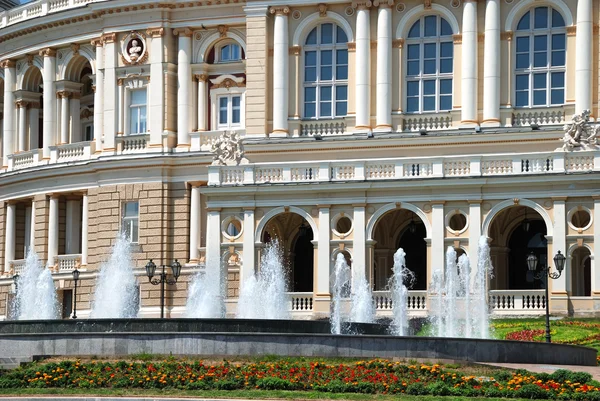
(133, 49)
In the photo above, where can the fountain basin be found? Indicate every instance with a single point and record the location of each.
(226, 337)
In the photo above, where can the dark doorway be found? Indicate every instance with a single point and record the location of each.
(415, 247)
(303, 267)
(521, 243)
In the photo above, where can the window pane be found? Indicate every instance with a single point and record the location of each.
(446, 29)
(415, 30)
(341, 92)
(325, 93)
(541, 18)
(225, 53)
(310, 94)
(429, 103)
(430, 26)
(412, 104)
(341, 56)
(522, 99)
(134, 235)
(539, 81)
(236, 52)
(236, 102)
(326, 62)
(326, 57)
(429, 67)
(133, 118)
(413, 68)
(341, 108)
(446, 66)
(524, 22)
(446, 49)
(557, 19)
(325, 109)
(326, 33)
(138, 97)
(557, 80)
(222, 116)
(311, 39)
(326, 73)
(445, 86)
(429, 87)
(310, 58)
(445, 102)
(522, 82)
(558, 58)
(142, 120)
(523, 60)
(341, 72)
(223, 103)
(413, 52)
(341, 36)
(522, 44)
(310, 74)
(558, 42)
(235, 116)
(131, 209)
(558, 96)
(539, 97)
(540, 42)
(309, 110)
(430, 50)
(412, 88)
(540, 59)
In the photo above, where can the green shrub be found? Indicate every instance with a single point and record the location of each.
(6, 382)
(493, 392)
(229, 384)
(531, 392)
(198, 385)
(561, 375)
(416, 389)
(503, 376)
(438, 389)
(365, 388)
(273, 383)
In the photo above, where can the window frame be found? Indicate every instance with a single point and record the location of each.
(219, 49)
(219, 90)
(229, 124)
(334, 83)
(130, 108)
(129, 221)
(438, 77)
(531, 71)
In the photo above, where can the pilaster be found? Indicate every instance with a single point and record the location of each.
(156, 100)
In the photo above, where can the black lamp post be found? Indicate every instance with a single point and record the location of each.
(76, 279)
(162, 280)
(544, 274)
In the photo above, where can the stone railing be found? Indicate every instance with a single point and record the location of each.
(507, 301)
(67, 263)
(428, 122)
(406, 168)
(72, 152)
(323, 127)
(301, 301)
(128, 144)
(39, 8)
(203, 140)
(416, 300)
(18, 266)
(527, 117)
(23, 160)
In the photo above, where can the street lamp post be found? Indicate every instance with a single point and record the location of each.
(544, 274)
(76, 279)
(162, 280)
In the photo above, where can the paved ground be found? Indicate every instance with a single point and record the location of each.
(593, 370)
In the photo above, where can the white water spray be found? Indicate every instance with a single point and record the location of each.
(117, 291)
(480, 291)
(205, 296)
(341, 289)
(399, 293)
(36, 296)
(361, 299)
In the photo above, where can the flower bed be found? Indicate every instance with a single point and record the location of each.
(376, 376)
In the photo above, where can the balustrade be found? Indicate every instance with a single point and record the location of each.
(66, 263)
(526, 118)
(517, 300)
(301, 301)
(323, 127)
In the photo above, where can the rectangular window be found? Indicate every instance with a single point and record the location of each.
(131, 219)
(230, 111)
(137, 111)
(88, 132)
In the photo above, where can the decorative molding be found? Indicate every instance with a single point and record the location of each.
(48, 52)
(507, 35)
(322, 10)
(279, 10)
(109, 38)
(228, 83)
(21, 104)
(455, 3)
(400, 7)
(362, 4)
(223, 30)
(187, 32)
(155, 32)
(120, 82)
(97, 42)
(134, 49)
(296, 14)
(8, 64)
(75, 48)
(427, 4)
(30, 60)
(571, 30)
(351, 46)
(201, 77)
(349, 11)
(63, 94)
(399, 43)
(86, 113)
(457, 39)
(295, 50)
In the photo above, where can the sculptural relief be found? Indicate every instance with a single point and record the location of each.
(581, 133)
(133, 49)
(228, 150)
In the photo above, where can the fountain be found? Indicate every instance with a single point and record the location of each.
(263, 296)
(361, 300)
(480, 290)
(205, 299)
(464, 266)
(341, 289)
(36, 296)
(117, 291)
(399, 293)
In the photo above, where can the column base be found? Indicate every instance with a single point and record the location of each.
(183, 147)
(492, 122)
(468, 124)
(280, 133)
(383, 128)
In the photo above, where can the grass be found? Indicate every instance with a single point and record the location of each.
(241, 394)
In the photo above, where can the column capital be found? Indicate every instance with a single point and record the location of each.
(295, 50)
(22, 104)
(279, 10)
(48, 52)
(572, 30)
(559, 199)
(399, 43)
(362, 4)
(155, 32)
(383, 3)
(351, 46)
(201, 77)
(457, 38)
(506, 35)
(63, 94)
(109, 38)
(8, 63)
(183, 32)
(97, 42)
(120, 82)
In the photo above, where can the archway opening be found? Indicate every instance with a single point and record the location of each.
(581, 273)
(516, 232)
(400, 229)
(295, 236)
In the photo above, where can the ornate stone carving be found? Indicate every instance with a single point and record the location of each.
(572, 30)
(183, 32)
(427, 4)
(280, 10)
(30, 60)
(86, 113)
(295, 50)
(362, 4)
(322, 10)
(133, 49)
(457, 38)
(8, 64)
(223, 30)
(228, 83)
(201, 77)
(581, 133)
(228, 150)
(383, 3)
(97, 42)
(109, 38)
(47, 52)
(399, 43)
(75, 48)
(507, 35)
(351, 46)
(155, 32)
(21, 104)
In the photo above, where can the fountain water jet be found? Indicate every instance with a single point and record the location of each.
(117, 291)
(480, 290)
(399, 293)
(361, 299)
(205, 297)
(264, 296)
(36, 296)
(341, 289)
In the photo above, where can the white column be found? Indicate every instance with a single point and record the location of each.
(10, 113)
(363, 66)
(53, 230)
(438, 228)
(99, 93)
(281, 72)
(50, 101)
(559, 243)
(10, 234)
(323, 254)
(384, 66)
(248, 245)
(469, 63)
(22, 137)
(491, 65)
(474, 232)
(583, 56)
(596, 261)
(110, 92)
(121, 108)
(84, 228)
(213, 241)
(34, 126)
(126, 114)
(75, 111)
(184, 80)
(64, 117)
(32, 227)
(194, 223)
(359, 245)
(156, 102)
(202, 102)
(72, 234)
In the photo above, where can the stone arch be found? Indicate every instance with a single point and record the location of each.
(31, 79)
(487, 222)
(279, 210)
(418, 11)
(315, 19)
(72, 63)
(579, 269)
(523, 6)
(393, 206)
(207, 43)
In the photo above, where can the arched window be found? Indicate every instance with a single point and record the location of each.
(540, 52)
(429, 65)
(230, 52)
(326, 72)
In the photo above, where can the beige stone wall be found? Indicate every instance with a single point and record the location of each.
(256, 75)
(2, 233)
